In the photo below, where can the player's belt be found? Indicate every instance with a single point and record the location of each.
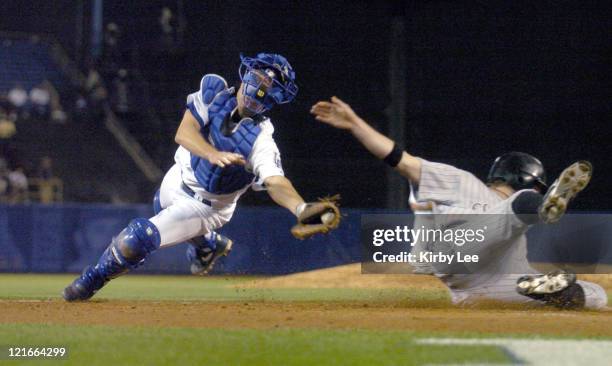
(190, 192)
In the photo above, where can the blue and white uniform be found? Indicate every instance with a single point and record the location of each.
(197, 197)
(215, 190)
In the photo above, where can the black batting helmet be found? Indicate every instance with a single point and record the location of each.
(519, 170)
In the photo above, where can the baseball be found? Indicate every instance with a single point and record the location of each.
(327, 217)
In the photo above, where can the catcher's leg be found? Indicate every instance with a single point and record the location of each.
(157, 206)
(203, 251)
(183, 220)
(127, 250)
(198, 220)
(560, 289)
(189, 220)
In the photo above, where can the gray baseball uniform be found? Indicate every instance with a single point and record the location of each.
(503, 254)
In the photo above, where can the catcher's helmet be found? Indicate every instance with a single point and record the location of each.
(268, 79)
(519, 170)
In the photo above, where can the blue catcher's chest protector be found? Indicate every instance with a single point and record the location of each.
(240, 140)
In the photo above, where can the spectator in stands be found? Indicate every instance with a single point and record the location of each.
(98, 97)
(40, 99)
(18, 97)
(4, 182)
(95, 91)
(120, 97)
(80, 104)
(7, 107)
(112, 49)
(45, 179)
(19, 192)
(57, 112)
(7, 125)
(166, 22)
(45, 170)
(93, 79)
(111, 36)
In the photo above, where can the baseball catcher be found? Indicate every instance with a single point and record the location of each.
(515, 195)
(225, 146)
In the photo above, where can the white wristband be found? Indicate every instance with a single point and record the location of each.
(300, 208)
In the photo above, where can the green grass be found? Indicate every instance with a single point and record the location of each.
(123, 345)
(211, 288)
(97, 345)
(192, 288)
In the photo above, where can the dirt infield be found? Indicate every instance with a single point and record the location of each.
(349, 276)
(264, 315)
(413, 314)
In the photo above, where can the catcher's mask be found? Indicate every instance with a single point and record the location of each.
(519, 170)
(268, 79)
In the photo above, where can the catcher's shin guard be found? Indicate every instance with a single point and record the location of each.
(128, 250)
(557, 288)
(203, 252)
(571, 181)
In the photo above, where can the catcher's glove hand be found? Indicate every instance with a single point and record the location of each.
(317, 217)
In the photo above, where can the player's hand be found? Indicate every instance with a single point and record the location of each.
(317, 217)
(224, 158)
(335, 113)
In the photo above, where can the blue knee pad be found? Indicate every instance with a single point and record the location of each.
(156, 203)
(129, 249)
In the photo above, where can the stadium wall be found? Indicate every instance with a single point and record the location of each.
(66, 238)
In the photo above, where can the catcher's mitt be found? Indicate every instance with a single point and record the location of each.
(317, 217)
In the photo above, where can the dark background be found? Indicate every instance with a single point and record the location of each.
(482, 78)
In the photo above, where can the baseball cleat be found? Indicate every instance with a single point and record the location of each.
(558, 289)
(84, 286)
(571, 181)
(203, 253)
(547, 284)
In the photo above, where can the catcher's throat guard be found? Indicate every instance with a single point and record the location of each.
(268, 79)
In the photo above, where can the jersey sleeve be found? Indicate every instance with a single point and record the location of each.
(442, 183)
(265, 159)
(197, 108)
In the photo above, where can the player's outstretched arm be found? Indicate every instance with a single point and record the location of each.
(188, 136)
(283, 193)
(338, 114)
